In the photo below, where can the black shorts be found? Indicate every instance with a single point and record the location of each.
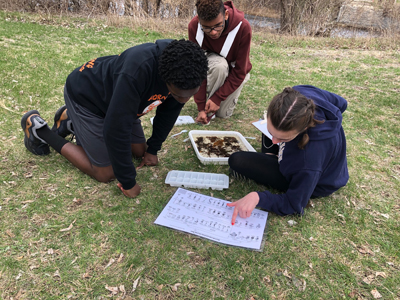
(88, 128)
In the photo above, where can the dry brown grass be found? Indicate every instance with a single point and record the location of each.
(314, 18)
(153, 8)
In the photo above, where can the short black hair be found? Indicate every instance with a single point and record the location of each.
(208, 10)
(183, 64)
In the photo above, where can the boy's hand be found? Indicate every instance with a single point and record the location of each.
(131, 193)
(211, 107)
(148, 160)
(202, 117)
(244, 206)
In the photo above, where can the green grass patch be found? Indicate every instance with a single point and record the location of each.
(344, 247)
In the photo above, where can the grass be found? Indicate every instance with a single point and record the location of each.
(345, 246)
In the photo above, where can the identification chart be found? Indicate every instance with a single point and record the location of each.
(210, 218)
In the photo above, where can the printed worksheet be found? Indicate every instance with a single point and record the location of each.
(262, 126)
(210, 218)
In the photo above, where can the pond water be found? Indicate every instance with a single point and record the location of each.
(274, 23)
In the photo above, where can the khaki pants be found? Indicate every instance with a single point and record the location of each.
(218, 71)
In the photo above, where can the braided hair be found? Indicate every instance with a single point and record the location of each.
(208, 10)
(290, 110)
(183, 64)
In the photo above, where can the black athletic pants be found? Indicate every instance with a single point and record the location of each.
(260, 167)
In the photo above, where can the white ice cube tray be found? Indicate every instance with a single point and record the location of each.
(197, 180)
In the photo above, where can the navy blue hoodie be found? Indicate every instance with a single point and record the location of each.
(320, 168)
(120, 89)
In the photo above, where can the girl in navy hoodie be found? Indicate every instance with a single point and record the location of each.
(306, 157)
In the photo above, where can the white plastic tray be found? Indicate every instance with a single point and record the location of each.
(197, 180)
(181, 120)
(216, 160)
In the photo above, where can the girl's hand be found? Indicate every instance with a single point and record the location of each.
(244, 206)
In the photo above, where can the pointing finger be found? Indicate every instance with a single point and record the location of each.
(235, 213)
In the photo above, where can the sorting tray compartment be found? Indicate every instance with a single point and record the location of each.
(216, 160)
(198, 180)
